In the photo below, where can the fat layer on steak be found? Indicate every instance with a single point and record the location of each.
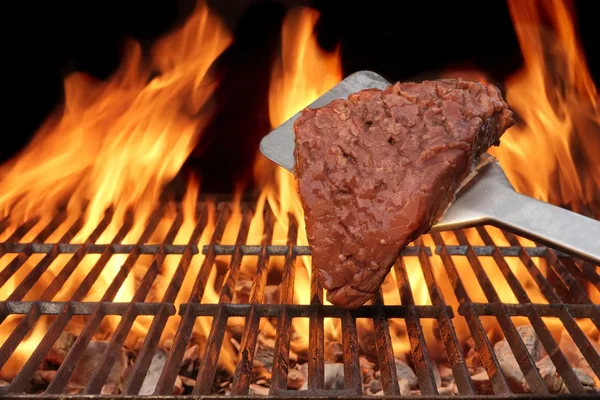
(377, 170)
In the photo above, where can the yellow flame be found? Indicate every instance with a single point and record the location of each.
(116, 144)
(553, 155)
(301, 74)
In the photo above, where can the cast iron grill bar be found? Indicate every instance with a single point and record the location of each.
(77, 350)
(304, 310)
(484, 348)
(524, 359)
(352, 376)
(37, 309)
(4, 223)
(19, 233)
(251, 250)
(65, 315)
(561, 363)
(488, 251)
(228, 288)
(456, 359)
(243, 370)
(579, 338)
(521, 310)
(23, 377)
(143, 360)
(589, 271)
(76, 258)
(21, 258)
(284, 321)
(224, 213)
(41, 267)
(385, 350)
(578, 273)
(536, 274)
(461, 250)
(272, 250)
(82, 308)
(208, 366)
(567, 282)
(94, 273)
(316, 334)
(563, 269)
(17, 335)
(557, 284)
(132, 258)
(418, 347)
(556, 355)
(571, 284)
(167, 378)
(119, 335)
(95, 248)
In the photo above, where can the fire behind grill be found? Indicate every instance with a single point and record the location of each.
(568, 285)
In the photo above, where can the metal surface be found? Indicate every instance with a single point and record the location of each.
(435, 257)
(488, 198)
(491, 199)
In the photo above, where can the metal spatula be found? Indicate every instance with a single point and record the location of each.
(488, 198)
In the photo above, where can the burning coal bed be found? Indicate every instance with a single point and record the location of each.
(226, 303)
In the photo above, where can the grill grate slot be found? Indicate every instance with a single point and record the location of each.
(284, 321)
(564, 285)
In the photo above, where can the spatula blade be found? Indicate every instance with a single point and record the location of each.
(278, 145)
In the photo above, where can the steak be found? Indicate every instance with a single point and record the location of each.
(377, 170)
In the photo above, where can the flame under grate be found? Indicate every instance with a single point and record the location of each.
(569, 272)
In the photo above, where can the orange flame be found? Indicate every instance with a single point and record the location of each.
(118, 143)
(302, 73)
(553, 154)
(550, 155)
(115, 144)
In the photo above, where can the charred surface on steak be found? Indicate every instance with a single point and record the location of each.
(377, 170)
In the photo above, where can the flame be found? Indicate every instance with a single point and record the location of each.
(549, 100)
(302, 73)
(25, 348)
(550, 154)
(116, 144)
(171, 262)
(553, 154)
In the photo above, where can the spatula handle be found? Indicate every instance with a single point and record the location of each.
(548, 224)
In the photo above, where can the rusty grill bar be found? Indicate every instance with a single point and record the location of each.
(566, 296)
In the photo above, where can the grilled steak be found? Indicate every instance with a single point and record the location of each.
(379, 169)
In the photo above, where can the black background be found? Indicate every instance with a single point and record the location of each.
(43, 41)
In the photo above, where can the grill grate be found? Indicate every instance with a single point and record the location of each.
(566, 296)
